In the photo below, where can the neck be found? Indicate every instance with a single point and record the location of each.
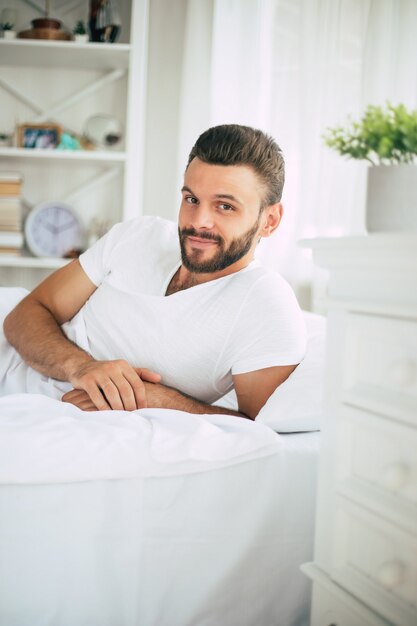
(184, 279)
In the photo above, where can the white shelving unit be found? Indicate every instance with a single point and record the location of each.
(65, 82)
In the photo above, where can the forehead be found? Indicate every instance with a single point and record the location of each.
(240, 181)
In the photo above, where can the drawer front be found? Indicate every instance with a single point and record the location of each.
(380, 366)
(378, 460)
(376, 562)
(339, 609)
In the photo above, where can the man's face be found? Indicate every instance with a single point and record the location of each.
(219, 219)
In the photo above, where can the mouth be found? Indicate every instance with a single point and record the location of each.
(201, 244)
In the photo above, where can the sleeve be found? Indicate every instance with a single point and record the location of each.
(98, 260)
(270, 330)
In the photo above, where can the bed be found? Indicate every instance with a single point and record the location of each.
(158, 517)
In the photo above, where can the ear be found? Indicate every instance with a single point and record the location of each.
(271, 217)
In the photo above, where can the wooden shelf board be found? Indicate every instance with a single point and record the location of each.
(64, 54)
(64, 155)
(10, 260)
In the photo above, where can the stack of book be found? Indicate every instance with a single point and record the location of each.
(11, 235)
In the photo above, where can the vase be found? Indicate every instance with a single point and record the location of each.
(9, 34)
(391, 199)
(81, 38)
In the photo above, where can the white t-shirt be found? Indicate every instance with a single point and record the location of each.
(195, 338)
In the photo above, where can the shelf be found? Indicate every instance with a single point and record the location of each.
(10, 260)
(64, 54)
(93, 156)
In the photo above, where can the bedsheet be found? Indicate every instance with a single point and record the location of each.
(146, 519)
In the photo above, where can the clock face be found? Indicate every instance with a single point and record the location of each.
(52, 229)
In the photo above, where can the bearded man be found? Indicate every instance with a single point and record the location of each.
(175, 316)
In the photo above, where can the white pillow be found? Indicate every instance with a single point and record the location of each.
(297, 404)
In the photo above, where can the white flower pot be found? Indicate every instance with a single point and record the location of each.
(391, 202)
(9, 34)
(81, 38)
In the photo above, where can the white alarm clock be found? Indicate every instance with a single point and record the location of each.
(53, 229)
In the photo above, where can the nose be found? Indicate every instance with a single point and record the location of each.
(202, 217)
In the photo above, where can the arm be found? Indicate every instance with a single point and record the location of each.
(33, 328)
(252, 389)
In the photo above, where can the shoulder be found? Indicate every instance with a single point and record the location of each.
(128, 244)
(142, 237)
(270, 288)
(271, 302)
(146, 227)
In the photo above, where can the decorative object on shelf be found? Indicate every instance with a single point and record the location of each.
(53, 229)
(8, 21)
(43, 136)
(104, 21)
(387, 139)
(104, 131)
(69, 142)
(7, 30)
(45, 28)
(80, 32)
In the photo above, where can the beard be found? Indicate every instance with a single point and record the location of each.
(224, 257)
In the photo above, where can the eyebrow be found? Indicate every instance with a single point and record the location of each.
(226, 196)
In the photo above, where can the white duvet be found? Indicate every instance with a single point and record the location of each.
(149, 518)
(43, 440)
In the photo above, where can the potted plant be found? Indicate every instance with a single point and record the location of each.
(80, 32)
(7, 30)
(385, 137)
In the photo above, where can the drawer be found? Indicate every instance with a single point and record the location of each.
(376, 562)
(380, 366)
(377, 464)
(331, 606)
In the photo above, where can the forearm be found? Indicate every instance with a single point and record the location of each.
(163, 397)
(33, 331)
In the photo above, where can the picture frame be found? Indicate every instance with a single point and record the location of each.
(40, 136)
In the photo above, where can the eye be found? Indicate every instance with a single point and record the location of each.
(190, 200)
(227, 208)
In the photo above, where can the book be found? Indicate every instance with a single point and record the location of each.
(10, 213)
(10, 251)
(10, 202)
(15, 177)
(9, 188)
(10, 239)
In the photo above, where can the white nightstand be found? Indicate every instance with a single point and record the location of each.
(365, 560)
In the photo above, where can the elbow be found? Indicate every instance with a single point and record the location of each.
(12, 323)
(8, 326)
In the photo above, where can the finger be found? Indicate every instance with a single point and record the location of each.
(97, 397)
(126, 392)
(80, 399)
(112, 395)
(69, 396)
(138, 389)
(148, 375)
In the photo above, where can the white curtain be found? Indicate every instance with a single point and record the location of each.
(294, 68)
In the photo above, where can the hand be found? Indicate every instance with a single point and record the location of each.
(114, 384)
(79, 398)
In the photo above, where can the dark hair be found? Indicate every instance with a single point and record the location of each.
(232, 144)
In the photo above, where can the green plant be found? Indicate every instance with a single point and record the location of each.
(6, 26)
(382, 136)
(80, 28)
